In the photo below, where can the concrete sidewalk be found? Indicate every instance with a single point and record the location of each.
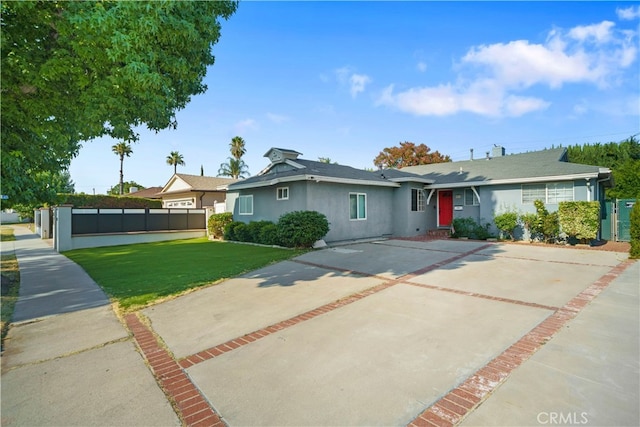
(68, 359)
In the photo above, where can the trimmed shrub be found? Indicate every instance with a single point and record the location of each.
(229, 230)
(506, 222)
(269, 234)
(529, 222)
(547, 223)
(241, 232)
(255, 229)
(634, 230)
(301, 229)
(468, 227)
(580, 219)
(217, 224)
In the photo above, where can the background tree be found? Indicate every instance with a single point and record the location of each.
(408, 154)
(623, 158)
(235, 167)
(115, 190)
(74, 71)
(326, 160)
(122, 149)
(237, 147)
(174, 159)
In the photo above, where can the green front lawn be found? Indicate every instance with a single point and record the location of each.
(136, 275)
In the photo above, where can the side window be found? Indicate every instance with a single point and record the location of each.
(245, 205)
(357, 206)
(417, 200)
(282, 193)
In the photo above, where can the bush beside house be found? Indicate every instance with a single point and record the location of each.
(299, 229)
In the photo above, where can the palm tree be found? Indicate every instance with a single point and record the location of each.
(122, 149)
(235, 168)
(237, 147)
(175, 159)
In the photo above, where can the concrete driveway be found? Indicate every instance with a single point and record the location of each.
(384, 333)
(395, 332)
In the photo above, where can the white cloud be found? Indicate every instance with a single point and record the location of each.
(245, 125)
(356, 82)
(422, 66)
(592, 54)
(601, 32)
(628, 14)
(277, 118)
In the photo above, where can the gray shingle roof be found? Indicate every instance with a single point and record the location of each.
(525, 166)
(309, 170)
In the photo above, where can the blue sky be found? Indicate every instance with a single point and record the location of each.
(344, 80)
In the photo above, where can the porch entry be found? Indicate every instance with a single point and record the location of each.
(445, 208)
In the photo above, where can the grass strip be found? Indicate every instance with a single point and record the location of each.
(10, 274)
(137, 275)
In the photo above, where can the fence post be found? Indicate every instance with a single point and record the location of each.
(62, 233)
(45, 232)
(207, 213)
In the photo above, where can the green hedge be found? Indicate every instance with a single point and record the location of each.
(108, 202)
(468, 227)
(579, 219)
(635, 230)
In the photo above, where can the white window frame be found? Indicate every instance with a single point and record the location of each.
(247, 199)
(474, 198)
(359, 207)
(420, 200)
(554, 192)
(282, 193)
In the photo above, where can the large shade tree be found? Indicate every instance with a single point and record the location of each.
(175, 159)
(74, 71)
(122, 149)
(408, 154)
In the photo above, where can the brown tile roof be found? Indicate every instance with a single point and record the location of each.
(204, 183)
(147, 193)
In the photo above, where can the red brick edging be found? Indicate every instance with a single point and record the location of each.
(190, 404)
(453, 407)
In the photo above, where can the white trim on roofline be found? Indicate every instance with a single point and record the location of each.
(572, 177)
(316, 178)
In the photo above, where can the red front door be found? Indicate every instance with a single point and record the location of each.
(445, 208)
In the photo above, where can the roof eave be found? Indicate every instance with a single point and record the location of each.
(570, 177)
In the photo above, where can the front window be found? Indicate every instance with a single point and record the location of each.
(357, 206)
(417, 200)
(282, 193)
(553, 192)
(245, 205)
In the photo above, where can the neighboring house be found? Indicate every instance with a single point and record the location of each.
(362, 204)
(147, 193)
(194, 191)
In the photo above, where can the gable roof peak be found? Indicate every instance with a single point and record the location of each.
(279, 154)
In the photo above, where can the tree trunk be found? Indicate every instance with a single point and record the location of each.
(121, 176)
